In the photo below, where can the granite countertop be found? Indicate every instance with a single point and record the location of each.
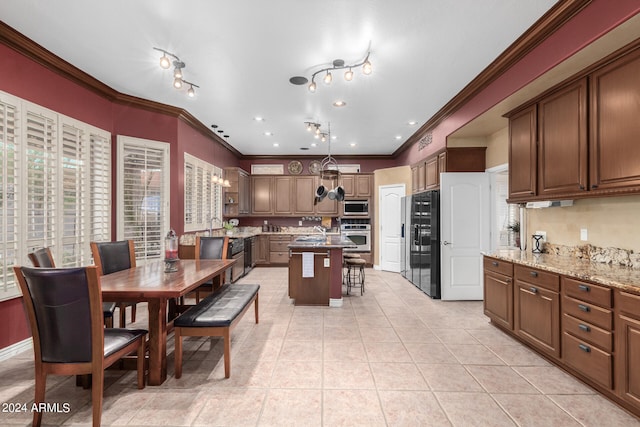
(616, 276)
(244, 232)
(331, 242)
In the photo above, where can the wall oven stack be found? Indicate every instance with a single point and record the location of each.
(359, 231)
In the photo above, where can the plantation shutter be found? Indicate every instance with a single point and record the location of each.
(100, 184)
(202, 198)
(143, 195)
(189, 199)
(9, 215)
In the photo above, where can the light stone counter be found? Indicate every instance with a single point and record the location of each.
(616, 276)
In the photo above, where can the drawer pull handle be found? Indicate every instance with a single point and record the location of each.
(584, 327)
(584, 288)
(533, 273)
(495, 263)
(533, 290)
(584, 348)
(584, 308)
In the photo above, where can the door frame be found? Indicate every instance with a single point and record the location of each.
(403, 192)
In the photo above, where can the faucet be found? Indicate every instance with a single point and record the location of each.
(320, 229)
(211, 218)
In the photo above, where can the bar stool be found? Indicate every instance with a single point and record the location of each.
(345, 270)
(355, 274)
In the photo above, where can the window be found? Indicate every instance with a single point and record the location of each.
(46, 193)
(143, 195)
(202, 198)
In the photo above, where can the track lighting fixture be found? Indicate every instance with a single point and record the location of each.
(178, 74)
(338, 64)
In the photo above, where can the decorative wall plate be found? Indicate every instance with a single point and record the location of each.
(314, 167)
(295, 167)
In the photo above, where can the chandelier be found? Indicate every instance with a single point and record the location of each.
(337, 64)
(178, 75)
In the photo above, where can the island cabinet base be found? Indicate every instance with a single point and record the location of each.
(309, 290)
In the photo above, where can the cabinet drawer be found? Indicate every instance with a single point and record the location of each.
(629, 303)
(279, 257)
(588, 332)
(588, 360)
(498, 266)
(599, 316)
(587, 291)
(537, 277)
(279, 246)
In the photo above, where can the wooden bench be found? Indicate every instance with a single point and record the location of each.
(215, 316)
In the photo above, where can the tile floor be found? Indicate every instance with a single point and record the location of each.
(390, 357)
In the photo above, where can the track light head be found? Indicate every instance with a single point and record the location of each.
(165, 62)
(312, 86)
(177, 83)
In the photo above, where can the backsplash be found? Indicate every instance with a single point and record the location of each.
(614, 256)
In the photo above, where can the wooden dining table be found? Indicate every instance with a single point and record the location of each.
(149, 283)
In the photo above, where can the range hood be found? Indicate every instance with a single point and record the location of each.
(549, 204)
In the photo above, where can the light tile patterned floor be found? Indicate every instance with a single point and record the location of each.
(390, 357)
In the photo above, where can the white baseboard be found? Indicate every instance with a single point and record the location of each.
(376, 267)
(17, 348)
(335, 302)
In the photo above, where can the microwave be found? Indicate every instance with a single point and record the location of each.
(356, 208)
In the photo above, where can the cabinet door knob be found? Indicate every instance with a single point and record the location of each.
(581, 187)
(533, 290)
(584, 348)
(584, 288)
(533, 273)
(584, 308)
(495, 263)
(594, 186)
(584, 327)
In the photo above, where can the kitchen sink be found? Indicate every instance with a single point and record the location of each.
(311, 238)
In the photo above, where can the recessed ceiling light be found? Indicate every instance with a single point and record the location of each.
(412, 123)
(258, 119)
(339, 103)
(313, 144)
(334, 137)
(398, 137)
(275, 144)
(267, 133)
(353, 144)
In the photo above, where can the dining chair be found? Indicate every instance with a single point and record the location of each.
(64, 307)
(42, 257)
(211, 248)
(110, 257)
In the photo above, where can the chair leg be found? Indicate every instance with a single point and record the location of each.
(133, 313)
(256, 308)
(123, 315)
(227, 352)
(140, 365)
(177, 356)
(108, 322)
(41, 384)
(97, 384)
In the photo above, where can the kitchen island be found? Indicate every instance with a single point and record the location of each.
(315, 269)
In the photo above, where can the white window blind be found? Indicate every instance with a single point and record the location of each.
(143, 195)
(9, 215)
(203, 199)
(47, 196)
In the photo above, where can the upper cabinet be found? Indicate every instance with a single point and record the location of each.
(578, 140)
(237, 195)
(615, 125)
(425, 175)
(286, 195)
(357, 185)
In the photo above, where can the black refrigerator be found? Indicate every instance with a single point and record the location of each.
(421, 241)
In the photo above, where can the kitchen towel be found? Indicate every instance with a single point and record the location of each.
(307, 264)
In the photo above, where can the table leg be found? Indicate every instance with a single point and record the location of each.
(157, 342)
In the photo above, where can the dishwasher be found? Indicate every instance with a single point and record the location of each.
(236, 250)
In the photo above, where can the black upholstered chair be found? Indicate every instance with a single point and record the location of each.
(110, 257)
(64, 307)
(42, 258)
(211, 248)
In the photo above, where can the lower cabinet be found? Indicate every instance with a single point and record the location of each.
(498, 292)
(628, 348)
(537, 309)
(278, 249)
(262, 249)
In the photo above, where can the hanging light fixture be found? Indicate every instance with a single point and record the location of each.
(328, 170)
(178, 71)
(337, 64)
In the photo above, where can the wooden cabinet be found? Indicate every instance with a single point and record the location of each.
(426, 174)
(498, 292)
(537, 308)
(283, 195)
(326, 207)
(261, 195)
(614, 151)
(628, 348)
(278, 248)
(309, 290)
(244, 193)
(236, 196)
(522, 154)
(357, 185)
(304, 190)
(262, 249)
(587, 330)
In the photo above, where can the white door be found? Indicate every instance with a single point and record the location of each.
(465, 224)
(390, 198)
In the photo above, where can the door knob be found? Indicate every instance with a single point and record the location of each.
(446, 243)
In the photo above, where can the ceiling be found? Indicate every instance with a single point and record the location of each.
(242, 54)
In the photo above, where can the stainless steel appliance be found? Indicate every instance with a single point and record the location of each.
(356, 208)
(236, 251)
(359, 232)
(249, 257)
(420, 263)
